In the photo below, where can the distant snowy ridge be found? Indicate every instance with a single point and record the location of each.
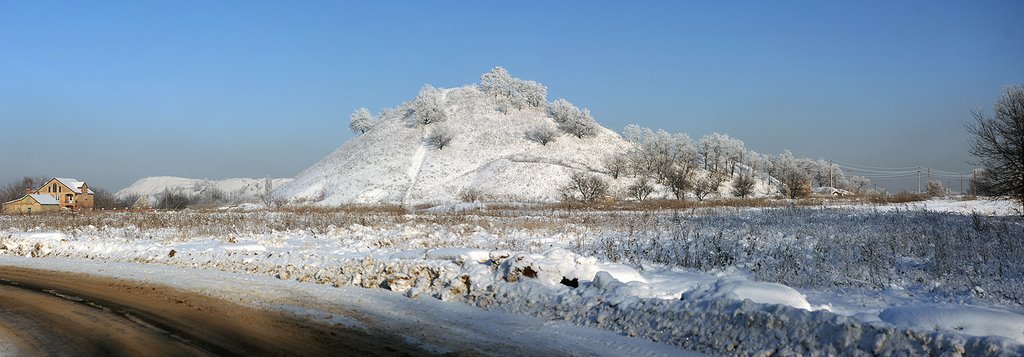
(238, 189)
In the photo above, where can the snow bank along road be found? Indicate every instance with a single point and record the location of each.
(50, 313)
(366, 321)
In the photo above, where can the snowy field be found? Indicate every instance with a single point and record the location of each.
(922, 278)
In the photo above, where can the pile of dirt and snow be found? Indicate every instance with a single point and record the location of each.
(232, 189)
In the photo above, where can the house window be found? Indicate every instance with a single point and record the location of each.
(53, 188)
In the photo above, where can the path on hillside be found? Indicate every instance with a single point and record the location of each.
(65, 314)
(414, 170)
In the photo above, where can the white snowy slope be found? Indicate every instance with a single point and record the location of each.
(242, 189)
(393, 163)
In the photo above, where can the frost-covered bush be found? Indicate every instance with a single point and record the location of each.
(543, 134)
(440, 137)
(572, 120)
(948, 255)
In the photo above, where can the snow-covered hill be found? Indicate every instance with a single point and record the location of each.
(234, 189)
(494, 152)
(490, 152)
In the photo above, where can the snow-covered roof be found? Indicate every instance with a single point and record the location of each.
(45, 199)
(73, 184)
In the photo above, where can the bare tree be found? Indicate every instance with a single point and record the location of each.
(267, 195)
(999, 144)
(440, 137)
(680, 182)
(173, 201)
(103, 199)
(543, 134)
(17, 189)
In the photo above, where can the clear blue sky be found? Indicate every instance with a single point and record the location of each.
(110, 92)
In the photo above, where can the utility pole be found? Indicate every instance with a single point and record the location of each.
(830, 182)
(961, 184)
(929, 175)
(918, 179)
(974, 189)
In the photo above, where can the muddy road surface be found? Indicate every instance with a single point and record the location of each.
(45, 313)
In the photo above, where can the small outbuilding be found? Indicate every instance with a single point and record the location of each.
(32, 203)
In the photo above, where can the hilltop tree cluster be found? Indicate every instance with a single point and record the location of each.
(513, 92)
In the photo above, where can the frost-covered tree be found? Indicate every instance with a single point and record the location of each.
(440, 137)
(660, 154)
(793, 174)
(640, 189)
(511, 91)
(542, 134)
(934, 188)
(721, 153)
(429, 106)
(615, 165)
(360, 121)
(856, 184)
(758, 162)
(704, 186)
(584, 187)
(497, 82)
(528, 94)
(572, 120)
(999, 144)
(743, 185)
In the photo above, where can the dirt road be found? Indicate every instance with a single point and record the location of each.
(51, 313)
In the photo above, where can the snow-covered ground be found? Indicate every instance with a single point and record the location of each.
(804, 280)
(453, 328)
